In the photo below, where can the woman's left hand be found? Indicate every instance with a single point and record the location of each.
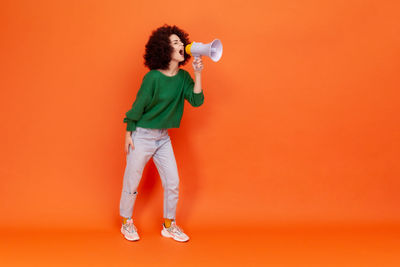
(198, 64)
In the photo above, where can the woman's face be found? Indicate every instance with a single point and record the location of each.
(178, 50)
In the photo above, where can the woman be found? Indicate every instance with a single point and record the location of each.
(159, 106)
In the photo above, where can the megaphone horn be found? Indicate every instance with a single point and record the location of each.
(212, 50)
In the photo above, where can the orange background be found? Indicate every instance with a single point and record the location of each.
(300, 122)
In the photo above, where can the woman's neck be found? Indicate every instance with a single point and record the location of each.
(172, 69)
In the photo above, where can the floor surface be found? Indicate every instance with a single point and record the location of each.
(240, 246)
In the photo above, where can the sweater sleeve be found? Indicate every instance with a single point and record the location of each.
(195, 99)
(143, 98)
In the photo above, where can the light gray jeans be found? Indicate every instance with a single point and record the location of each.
(157, 144)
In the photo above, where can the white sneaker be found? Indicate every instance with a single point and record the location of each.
(129, 231)
(174, 232)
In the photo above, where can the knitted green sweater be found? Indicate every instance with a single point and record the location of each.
(160, 100)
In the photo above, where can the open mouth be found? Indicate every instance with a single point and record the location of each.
(181, 52)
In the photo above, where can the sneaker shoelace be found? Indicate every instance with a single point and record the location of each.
(176, 229)
(130, 227)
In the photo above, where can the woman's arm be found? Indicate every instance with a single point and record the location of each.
(198, 67)
(193, 91)
(143, 97)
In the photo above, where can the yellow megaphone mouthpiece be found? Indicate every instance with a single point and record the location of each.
(187, 49)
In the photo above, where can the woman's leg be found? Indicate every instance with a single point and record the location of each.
(135, 163)
(164, 159)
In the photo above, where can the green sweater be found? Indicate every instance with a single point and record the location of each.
(160, 100)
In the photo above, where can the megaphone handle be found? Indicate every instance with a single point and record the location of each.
(195, 58)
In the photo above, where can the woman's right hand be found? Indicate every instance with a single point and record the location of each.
(128, 142)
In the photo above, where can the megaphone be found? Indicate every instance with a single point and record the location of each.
(212, 50)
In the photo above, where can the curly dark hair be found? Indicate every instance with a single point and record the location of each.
(159, 50)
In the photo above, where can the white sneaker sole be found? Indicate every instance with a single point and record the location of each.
(129, 238)
(165, 233)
